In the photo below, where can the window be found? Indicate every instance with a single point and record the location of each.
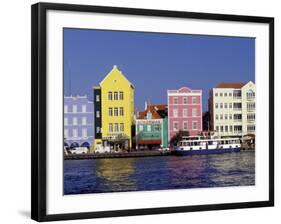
(230, 128)
(194, 125)
(115, 95)
(230, 116)
(65, 109)
(109, 96)
(185, 125)
(221, 105)
(237, 106)
(225, 94)
(65, 121)
(217, 116)
(84, 108)
(238, 129)
(217, 128)
(175, 112)
(84, 132)
(221, 128)
(115, 111)
(184, 112)
(74, 120)
(75, 133)
(121, 95)
(194, 100)
(74, 108)
(225, 116)
(217, 105)
(110, 111)
(121, 111)
(230, 105)
(116, 128)
(97, 113)
(176, 126)
(250, 117)
(237, 117)
(149, 115)
(97, 98)
(84, 121)
(226, 128)
(251, 128)
(110, 128)
(66, 133)
(184, 100)
(216, 94)
(251, 106)
(230, 94)
(175, 100)
(221, 117)
(221, 94)
(225, 105)
(157, 127)
(122, 127)
(141, 127)
(237, 94)
(250, 94)
(148, 127)
(194, 112)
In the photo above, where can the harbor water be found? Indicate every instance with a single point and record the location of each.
(159, 173)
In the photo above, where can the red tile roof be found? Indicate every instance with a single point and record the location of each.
(235, 85)
(154, 110)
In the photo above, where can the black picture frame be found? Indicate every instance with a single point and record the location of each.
(39, 115)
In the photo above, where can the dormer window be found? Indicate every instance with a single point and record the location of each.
(149, 115)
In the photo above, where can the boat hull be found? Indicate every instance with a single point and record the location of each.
(206, 151)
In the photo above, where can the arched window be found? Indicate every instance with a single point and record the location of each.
(85, 144)
(74, 145)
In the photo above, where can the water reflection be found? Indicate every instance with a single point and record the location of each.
(157, 173)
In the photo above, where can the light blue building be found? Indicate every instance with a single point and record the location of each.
(78, 121)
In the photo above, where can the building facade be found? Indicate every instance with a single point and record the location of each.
(152, 127)
(78, 121)
(232, 109)
(114, 111)
(184, 111)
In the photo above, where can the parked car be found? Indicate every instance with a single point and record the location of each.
(79, 150)
(102, 149)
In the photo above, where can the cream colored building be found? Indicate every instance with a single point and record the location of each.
(232, 109)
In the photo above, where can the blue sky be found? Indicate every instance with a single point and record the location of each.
(155, 62)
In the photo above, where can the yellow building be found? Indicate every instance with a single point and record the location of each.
(114, 111)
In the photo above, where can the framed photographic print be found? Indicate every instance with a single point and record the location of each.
(139, 111)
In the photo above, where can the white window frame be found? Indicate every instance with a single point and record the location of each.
(177, 124)
(74, 108)
(66, 121)
(194, 112)
(74, 121)
(84, 132)
(75, 133)
(84, 108)
(196, 124)
(84, 120)
(175, 112)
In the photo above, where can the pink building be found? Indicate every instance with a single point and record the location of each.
(184, 111)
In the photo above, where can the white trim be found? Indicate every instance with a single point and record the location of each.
(185, 94)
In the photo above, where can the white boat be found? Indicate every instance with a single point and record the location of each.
(194, 145)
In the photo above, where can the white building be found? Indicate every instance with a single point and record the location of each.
(232, 109)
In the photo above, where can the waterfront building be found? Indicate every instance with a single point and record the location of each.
(184, 111)
(152, 127)
(232, 109)
(78, 121)
(114, 111)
